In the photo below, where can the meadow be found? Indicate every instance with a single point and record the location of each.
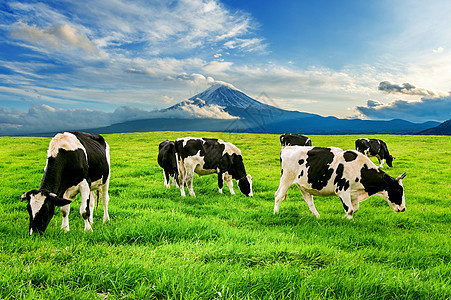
(159, 245)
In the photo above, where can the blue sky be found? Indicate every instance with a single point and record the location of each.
(85, 63)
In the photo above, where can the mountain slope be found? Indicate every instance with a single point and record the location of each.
(442, 129)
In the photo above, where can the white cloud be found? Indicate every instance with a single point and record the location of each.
(216, 67)
(53, 36)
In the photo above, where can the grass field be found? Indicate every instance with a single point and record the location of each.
(159, 245)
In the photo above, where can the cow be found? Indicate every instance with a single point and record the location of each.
(348, 174)
(207, 156)
(288, 139)
(76, 162)
(375, 147)
(166, 160)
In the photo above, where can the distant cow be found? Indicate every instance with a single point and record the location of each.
(76, 163)
(331, 171)
(289, 139)
(375, 147)
(208, 156)
(166, 160)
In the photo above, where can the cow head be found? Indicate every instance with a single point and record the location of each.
(389, 160)
(41, 208)
(394, 192)
(245, 185)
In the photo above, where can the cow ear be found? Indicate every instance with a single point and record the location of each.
(23, 197)
(58, 201)
(400, 177)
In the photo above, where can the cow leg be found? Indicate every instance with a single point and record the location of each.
(308, 198)
(65, 214)
(228, 180)
(92, 202)
(189, 182)
(166, 179)
(347, 205)
(85, 191)
(105, 200)
(281, 193)
(381, 161)
(220, 182)
(181, 176)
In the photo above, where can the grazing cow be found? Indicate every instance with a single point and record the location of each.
(208, 156)
(332, 171)
(166, 160)
(76, 163)
(375, 147)
(288, 139)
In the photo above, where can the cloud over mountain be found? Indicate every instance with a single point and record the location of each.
(44, 118)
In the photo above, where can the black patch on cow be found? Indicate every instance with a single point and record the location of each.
(95, 146)
(302, 174)
(357, 179)
(349, 156)
(372, 180)
(341, 183)
(345, 207)
(301, 162)
(318, 164)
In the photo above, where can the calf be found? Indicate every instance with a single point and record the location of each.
(76, 163)
(331, 171)
(208, 156)
(166, 160)
(375, 147)
(289, 139)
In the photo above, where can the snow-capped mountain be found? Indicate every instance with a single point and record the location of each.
(226, 95)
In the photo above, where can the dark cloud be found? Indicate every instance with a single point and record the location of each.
(427, 109)
(405, 88)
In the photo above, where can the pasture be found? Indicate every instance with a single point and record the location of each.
(162, 246)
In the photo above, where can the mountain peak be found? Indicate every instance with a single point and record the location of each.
(226, 95)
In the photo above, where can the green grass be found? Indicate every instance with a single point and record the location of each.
(159, 245)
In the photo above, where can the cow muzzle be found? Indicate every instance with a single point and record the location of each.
(400, 209)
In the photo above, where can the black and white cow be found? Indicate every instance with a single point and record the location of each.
(375, 147)
(347, 174)
(288, 139)
(76, 163)
(208, 156)
(166, 160)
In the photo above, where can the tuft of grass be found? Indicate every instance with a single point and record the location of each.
(159, 245)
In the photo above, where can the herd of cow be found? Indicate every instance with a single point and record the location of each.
(80, 163)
